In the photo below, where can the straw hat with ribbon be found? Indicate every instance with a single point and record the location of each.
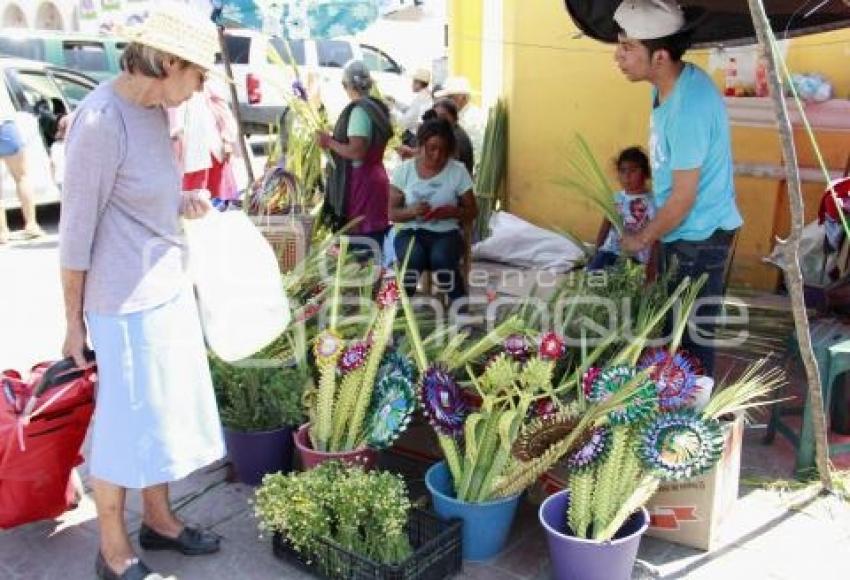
(178, 32)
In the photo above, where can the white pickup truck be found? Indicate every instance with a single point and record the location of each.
(260, 82)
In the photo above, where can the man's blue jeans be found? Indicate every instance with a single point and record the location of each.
(694, 259)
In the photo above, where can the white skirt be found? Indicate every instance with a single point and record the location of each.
(155, 418)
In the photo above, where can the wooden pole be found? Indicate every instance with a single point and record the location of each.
(791, 245)
(234, 104)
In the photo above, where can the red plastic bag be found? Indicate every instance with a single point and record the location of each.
(43, 422)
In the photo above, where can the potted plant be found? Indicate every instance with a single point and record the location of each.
(594, 526)
(364, 394)
(482, 423)
(364, 512)
(341, 521)
(259, 406)
(529, 413)
(520, 418)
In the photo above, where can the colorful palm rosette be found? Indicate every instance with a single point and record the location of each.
(396, 363)
(638, 407)
(551, 347)
(388, 294)
(674, 377)
(393, 403)
(517, 347)
(590, 450)
(442, 401)
(354, 357)
(587, 380)
(539, 434)
(680, 445)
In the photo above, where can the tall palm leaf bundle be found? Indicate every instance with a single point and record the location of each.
(490, 173)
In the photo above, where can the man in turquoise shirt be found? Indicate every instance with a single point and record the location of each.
(691, 157)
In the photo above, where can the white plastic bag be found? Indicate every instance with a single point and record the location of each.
(517, 242)
(238, 285)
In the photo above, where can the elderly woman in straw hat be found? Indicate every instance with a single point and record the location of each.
(124, 286)
(358, 186)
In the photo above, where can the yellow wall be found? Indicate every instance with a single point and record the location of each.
(557, 86)
(465, 19)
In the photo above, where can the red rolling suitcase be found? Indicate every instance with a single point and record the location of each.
(43, 422)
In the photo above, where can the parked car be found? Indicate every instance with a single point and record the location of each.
(261, 84)
(96, 56)
(42, 94)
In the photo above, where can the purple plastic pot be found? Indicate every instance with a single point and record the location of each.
(310, 458)
(578, 559)
(254, 454)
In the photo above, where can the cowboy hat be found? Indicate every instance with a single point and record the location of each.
(175, 30)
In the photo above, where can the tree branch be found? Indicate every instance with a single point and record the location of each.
(791, 248)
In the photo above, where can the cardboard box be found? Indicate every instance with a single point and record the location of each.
(690, 512)
(686, 512)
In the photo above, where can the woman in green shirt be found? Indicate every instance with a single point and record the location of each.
(358, 185)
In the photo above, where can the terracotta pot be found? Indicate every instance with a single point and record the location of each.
(310, 458)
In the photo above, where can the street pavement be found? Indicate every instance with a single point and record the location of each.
(32, 322)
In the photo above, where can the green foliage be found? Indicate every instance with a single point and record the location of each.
(746, 392)
(589, 180)
(624, 285)
(255, 398)
(364, 512)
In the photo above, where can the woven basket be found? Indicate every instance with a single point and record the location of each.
(288, 235)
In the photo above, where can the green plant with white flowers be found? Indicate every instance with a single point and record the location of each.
(365, 512)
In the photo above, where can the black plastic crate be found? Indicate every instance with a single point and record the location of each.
(437, 554)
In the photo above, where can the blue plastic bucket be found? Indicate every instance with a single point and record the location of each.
(485, 525)
(579, 559)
